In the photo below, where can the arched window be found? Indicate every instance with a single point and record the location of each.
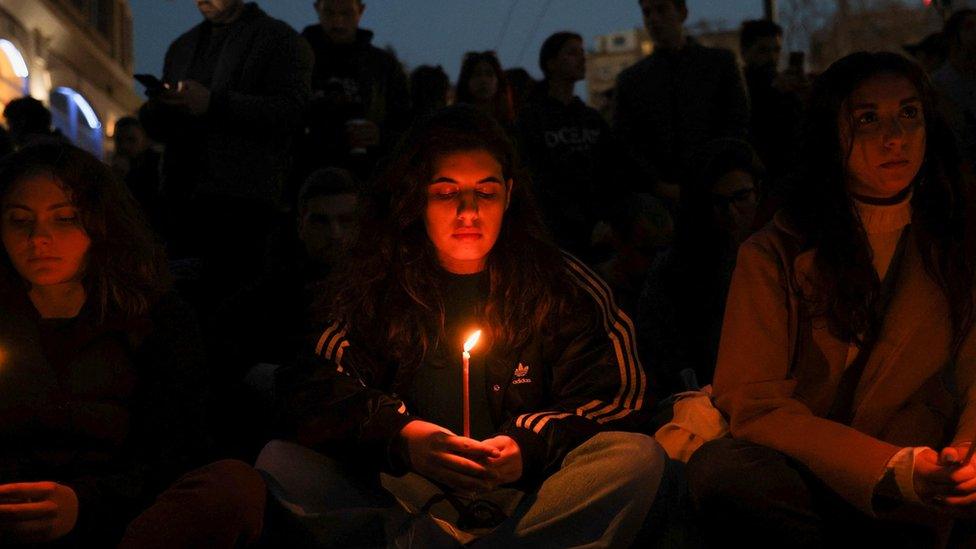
(13, 72)
(73, 115)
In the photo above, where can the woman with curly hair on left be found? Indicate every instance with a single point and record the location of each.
(101, 373)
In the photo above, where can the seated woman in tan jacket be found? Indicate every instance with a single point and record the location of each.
(847, 352)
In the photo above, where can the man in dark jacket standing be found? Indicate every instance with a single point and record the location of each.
(672, 102)
(236, 87)
(360, 100)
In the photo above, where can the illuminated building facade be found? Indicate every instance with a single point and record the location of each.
(74, 55)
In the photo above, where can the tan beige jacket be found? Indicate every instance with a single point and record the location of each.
(777, 370)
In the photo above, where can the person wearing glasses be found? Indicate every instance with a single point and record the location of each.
(680, 309)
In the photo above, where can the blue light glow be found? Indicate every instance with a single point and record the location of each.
(86, 110)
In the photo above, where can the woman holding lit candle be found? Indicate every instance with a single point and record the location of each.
(452, 244)
(100, 385)
(847, 354)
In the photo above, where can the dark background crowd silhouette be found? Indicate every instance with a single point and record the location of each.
(238, 189)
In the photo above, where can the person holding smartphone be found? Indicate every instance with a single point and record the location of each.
(234, 94)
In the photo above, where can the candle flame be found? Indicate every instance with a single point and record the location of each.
(472, 341)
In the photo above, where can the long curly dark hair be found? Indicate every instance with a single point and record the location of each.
(126, 271)
(821, 208)
(389, 288)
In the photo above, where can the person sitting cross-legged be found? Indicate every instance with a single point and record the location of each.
(542, 452)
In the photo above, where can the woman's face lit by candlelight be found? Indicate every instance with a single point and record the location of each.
(466, 202)
(42, 233)
(883, 127)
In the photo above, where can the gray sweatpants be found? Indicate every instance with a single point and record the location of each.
(600, 497)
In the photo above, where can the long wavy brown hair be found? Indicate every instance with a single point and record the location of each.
(825, 215)
(389, 287)
(126, 269)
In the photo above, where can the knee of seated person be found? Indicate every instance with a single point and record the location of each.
(233, 486)
(719, 470)
(636, 456)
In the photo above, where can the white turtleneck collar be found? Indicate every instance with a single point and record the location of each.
(884, 218)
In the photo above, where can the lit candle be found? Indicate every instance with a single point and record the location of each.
(465, 385)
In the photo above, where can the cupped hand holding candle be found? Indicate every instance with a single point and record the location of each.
(442, 456)
(507, 466)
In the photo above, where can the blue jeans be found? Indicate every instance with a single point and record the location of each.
(600, 497)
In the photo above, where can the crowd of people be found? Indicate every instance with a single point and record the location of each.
(314, 301)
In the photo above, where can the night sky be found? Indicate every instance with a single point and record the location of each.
(438, 32)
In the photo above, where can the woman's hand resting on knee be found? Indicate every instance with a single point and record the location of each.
(440, 455)
(36, 511)
(942, 480)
